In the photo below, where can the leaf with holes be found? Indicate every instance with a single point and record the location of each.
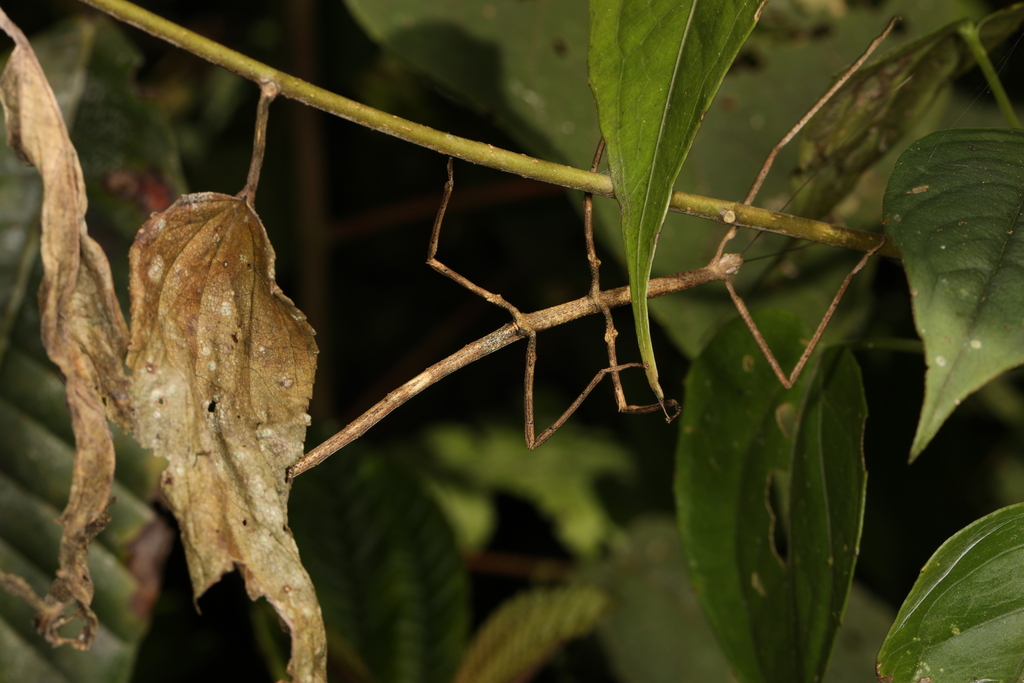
(964, 617)
(770, 494)
(223, 368)
(953, 206)
(655, 67)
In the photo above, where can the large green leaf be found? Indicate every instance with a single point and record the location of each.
(655, 67)
(37, 451)
(964, 618)
(770, 492)
(953, 206)
(391, 585)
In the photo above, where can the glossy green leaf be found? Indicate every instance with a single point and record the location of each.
(878, 105)
(655, 68)
(559, 479)
(389, 579)
(787, 65)
(964, 617)
(37, 451)
(527, 629)
(770, 493)
(953, 208)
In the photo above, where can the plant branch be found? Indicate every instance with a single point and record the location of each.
(969, 33)
(499, 339)
(473, 151)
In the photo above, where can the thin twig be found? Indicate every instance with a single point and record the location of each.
(471, 150)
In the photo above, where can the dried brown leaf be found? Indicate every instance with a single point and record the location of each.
(223, 368)
(83, 331)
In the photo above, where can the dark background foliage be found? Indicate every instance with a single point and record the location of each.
(389, 316)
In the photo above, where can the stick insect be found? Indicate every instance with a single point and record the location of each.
(527, 325)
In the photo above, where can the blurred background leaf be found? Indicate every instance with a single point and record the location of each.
(559, 480)
(527, 630)
(383, 559)
(657, 632)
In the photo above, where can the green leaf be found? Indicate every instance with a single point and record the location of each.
(770, 493)
(527, 629)
(964, 616)
(37, 451)
(953, 206)
(878, 105)
(654, 69)
(391, 584)
(560, 479)
(786, 68)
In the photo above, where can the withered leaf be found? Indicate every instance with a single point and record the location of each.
(223, 367)
(83, 331)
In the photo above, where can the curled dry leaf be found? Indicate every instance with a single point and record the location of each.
(83, 331)
(223, 368)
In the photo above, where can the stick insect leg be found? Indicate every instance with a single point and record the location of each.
(441, 268)
(752, 194)
(610, 333)
(529, 429)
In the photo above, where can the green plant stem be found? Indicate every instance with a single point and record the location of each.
(969, 32)
(478, 152)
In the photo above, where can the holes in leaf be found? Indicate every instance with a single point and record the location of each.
(777, 502)
(212, 407)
